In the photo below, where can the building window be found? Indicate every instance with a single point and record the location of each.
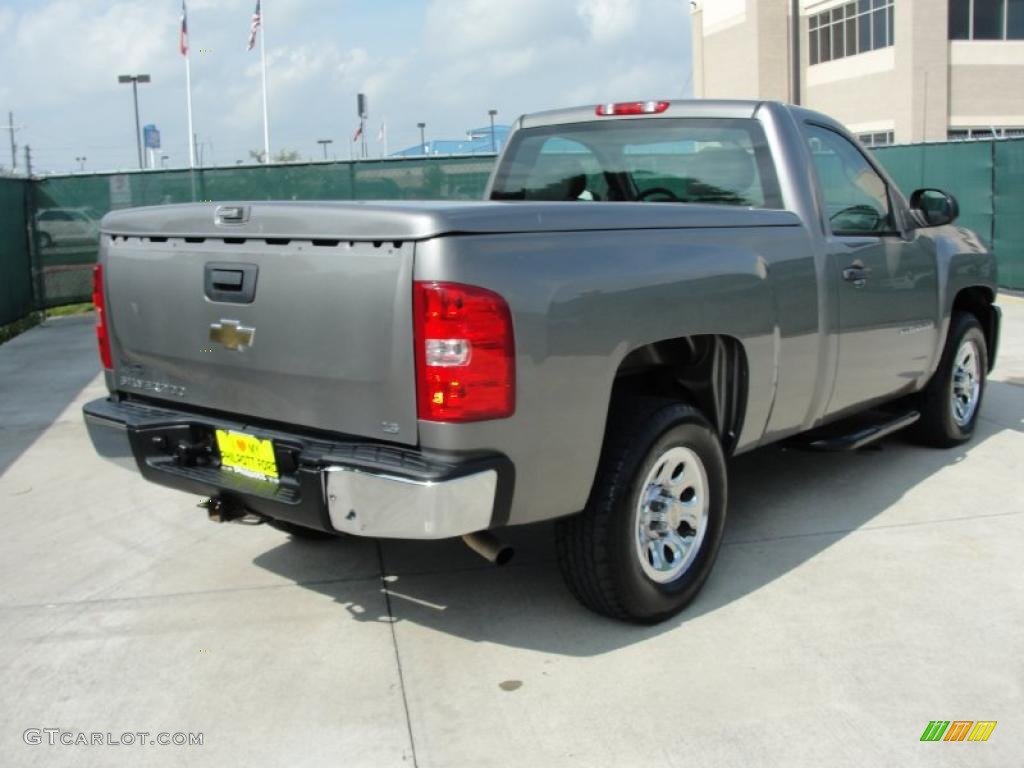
(851, 28)
(977, 134)
(986, 19)
(879, 139)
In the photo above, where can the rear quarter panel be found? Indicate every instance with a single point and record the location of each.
(581, 301)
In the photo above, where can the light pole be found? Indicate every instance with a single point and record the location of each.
(794, 21)
(494, 144)
(423, 141)
(163, 160)
(135, 80)
(323, 143)
(81, 163)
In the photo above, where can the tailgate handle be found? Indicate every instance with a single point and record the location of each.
(228, 279)
(231, 214)
(230, 282)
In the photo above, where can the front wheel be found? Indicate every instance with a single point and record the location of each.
(950, 403)
(647, 539)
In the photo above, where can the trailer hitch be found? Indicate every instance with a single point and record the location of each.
(225, 510)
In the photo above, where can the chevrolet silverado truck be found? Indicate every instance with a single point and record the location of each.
(648, 289)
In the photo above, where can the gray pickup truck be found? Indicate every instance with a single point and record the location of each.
(649, 289)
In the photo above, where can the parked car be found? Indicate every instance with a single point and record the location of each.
(649, 289)
(66, 226)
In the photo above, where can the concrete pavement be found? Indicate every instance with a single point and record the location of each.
(856, 598)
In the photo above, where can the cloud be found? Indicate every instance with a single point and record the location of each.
(608, 20)
(65, 47)
(482, 26)
(533, 55)
(442, 62)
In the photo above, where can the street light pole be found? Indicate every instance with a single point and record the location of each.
(323, 143)
(135, 80)
(494, 144)
(423, 141)
(794, 33)
(14, 146)
(81, 163)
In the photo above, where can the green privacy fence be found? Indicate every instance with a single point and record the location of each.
(987, 179)
(68, 208)
(1008, 198)
(16, 299)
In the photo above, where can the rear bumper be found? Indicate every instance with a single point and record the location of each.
(359, 488)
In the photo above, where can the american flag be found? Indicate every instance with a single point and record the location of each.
(256, 20)
(183, 34)
(358, 133)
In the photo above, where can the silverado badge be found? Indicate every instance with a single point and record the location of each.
(232, 334)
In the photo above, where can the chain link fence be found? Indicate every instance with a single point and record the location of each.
(61, 214)
(16, 295)
(68, 208)
(987, 179)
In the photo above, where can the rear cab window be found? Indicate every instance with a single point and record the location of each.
(678, 160)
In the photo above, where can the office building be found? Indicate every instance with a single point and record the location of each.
(892, 70)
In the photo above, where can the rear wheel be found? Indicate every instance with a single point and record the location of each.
(647, 539)
(951, 402)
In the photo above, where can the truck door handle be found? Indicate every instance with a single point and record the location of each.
(856, 274)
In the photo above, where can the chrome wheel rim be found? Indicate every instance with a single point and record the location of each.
(966, 388)
(671, 515)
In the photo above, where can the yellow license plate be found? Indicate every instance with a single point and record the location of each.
(246, 454)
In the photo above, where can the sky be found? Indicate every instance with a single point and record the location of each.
(443, 62)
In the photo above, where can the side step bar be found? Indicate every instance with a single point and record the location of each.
(862, 435)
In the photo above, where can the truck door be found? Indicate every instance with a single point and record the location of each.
(887, 281)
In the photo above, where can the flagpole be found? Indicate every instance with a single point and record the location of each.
(263, 59)
(191, 134)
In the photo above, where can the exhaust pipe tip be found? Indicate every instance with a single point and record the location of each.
(489, 547)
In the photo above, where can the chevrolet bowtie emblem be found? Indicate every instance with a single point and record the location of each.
(232, 334)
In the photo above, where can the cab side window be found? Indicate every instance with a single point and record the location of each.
(856, 197)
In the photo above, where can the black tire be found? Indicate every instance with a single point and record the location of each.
(938, 427)
(302, 532)
(597, 549)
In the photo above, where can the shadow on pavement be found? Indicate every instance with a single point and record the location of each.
(41, 372)
(800, 503)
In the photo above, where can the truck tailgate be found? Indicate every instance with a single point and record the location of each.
(325, 341)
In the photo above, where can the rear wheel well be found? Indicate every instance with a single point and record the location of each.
(706, 371)
(978, 301)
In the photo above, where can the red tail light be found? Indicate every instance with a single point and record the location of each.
(102, 334)
(465, 353)
(631, 108)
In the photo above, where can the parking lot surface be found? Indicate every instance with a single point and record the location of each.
(856, 598)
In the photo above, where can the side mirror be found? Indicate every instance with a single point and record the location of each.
(933, 207)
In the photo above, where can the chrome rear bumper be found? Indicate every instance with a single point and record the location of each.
(382, 506)
(355, 488)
